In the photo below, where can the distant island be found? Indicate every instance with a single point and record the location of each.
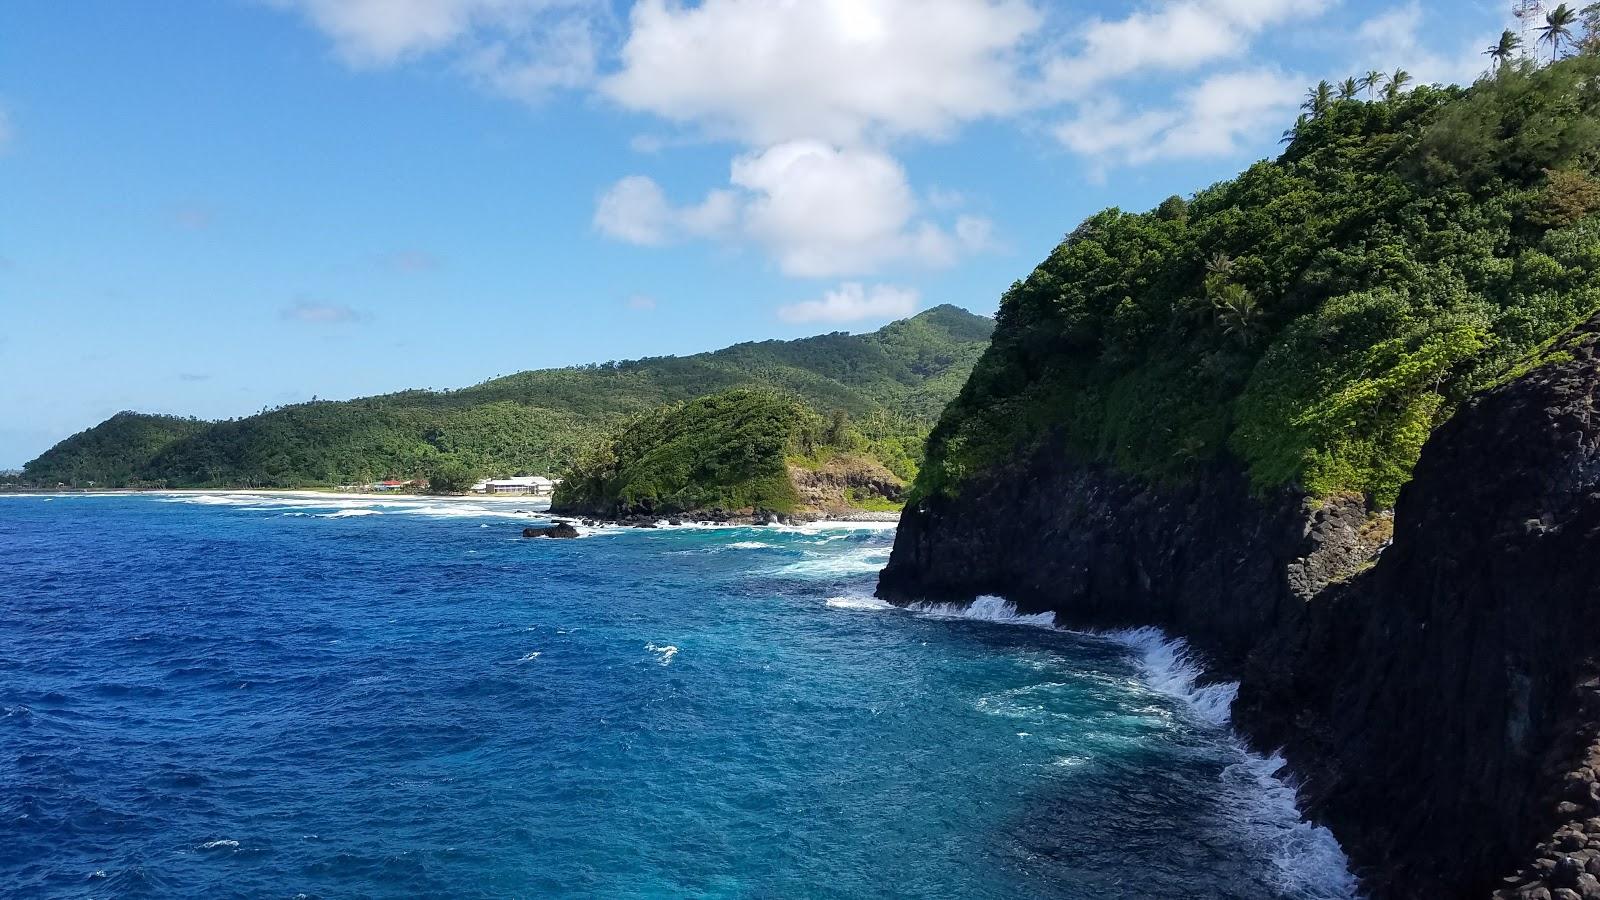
(856, 408)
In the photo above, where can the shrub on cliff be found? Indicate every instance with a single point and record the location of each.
(1316, 317)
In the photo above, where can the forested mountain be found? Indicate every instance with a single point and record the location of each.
(1315, 318)
(890, 384)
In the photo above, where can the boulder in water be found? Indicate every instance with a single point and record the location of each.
(558, 530)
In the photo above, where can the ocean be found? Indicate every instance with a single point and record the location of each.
(209, 695)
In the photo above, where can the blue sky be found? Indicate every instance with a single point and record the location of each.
(214, 206)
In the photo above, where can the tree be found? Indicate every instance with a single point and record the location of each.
(1318, 99)
(1557, 29)
(1591, 30)
(1348, 89)
(1289, 134)
(1370, 81)
(1501, 51)
(1396, 83)
(450, 477)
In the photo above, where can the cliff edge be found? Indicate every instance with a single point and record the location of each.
(1437, 696)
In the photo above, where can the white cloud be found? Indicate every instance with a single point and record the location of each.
(642, 302)
(820, 211)
(518, 47)
(1215, 118)
(834, 70)
(852, 302)
(1393, 39)
(1174, 36)
(636, 210)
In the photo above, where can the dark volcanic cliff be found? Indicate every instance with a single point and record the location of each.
(1440, 705)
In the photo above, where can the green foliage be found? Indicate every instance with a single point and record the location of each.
(1316, 317)
(890, 385)
(116, 452)
(728, 450)
(451, 477)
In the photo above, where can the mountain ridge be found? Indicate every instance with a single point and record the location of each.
(891, 382)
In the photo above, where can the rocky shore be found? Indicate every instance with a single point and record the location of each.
(1432, 678)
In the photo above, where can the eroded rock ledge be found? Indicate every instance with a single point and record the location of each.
(1440, 702)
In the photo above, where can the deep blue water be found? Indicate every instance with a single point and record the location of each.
(222, 696)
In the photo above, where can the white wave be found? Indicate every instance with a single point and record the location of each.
(985, 609)
(666, 652)
(220, 845)
(350, 513)
(865, 560)
(1171, 669)
(1260, 801)
(1306, 858)
(859, 601)
(530, 656)
(751, 545)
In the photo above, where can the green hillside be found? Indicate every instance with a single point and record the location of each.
(1313, 319)
(890, 384)
(726, 451)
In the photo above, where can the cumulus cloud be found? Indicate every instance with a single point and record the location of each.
(1214, 118)
(1394, 38)
(518, 47)
(818, 210)
(852, 302)
(636, 210)
(313, 313)
(833, 70)
(1179, 35)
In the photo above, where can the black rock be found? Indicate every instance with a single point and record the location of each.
(558, 530)
(1430, 690)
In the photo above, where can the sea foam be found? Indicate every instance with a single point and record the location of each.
(985, 609)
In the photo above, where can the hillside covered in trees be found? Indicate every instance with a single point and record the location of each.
(1314, 319)
(890, 385)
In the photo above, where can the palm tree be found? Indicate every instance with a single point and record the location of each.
(1292, 132)
(1237, 312)
(1348, 89)
(1318, 99)
(1557, 29)
(1220, 263)
(1370, 82)
(1501, 51)
(1396, 82)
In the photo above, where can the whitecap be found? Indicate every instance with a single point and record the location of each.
(987, 608)
(666, 652)
(751, 545)
(350, 513)
(859, 601)
(220, 845)
(530, 656)
(865, 560)
(1171, 669)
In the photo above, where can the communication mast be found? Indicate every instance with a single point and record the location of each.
(1529, 14)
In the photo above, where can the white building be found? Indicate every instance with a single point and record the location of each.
(523, 484)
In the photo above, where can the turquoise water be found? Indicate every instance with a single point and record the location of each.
(248, 695)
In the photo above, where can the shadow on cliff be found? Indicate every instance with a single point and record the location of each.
(1438, 704)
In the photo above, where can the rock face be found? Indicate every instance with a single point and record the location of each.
(1440, 706)
(558, 530)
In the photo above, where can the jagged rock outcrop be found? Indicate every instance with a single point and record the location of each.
(1440, 706)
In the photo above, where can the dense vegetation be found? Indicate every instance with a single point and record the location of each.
(727, 451)
(113, 453)
(891, 384)
(1316, 317)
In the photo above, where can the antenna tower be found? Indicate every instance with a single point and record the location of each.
(1529, 14)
